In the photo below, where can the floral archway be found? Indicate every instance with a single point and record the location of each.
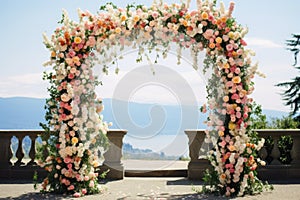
(73, 108)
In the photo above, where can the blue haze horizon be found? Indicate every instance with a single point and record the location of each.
(168, 137)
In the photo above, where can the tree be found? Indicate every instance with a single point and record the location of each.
(286, 122)
(258, 119)
(291, 95)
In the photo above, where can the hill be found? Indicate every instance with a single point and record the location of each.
(154, 131)
(27, 113)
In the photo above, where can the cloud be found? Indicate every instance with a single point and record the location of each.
(166, 86)
(27, 85)
(33, 78)
(260, 42)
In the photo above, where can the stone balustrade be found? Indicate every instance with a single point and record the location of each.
(18, 163)
(273, 171)
(15, 161)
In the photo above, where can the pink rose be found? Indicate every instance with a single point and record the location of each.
(243, 42)
(235, 96)
(67, 160)
(71, 187)
(69, 166)
(83, 191)
(71, 76)
(155, 14)
(238, 114)
(91, 184)
(72, 54)
(208, 33)
(76, 194)
(229, 47)
(86, 178)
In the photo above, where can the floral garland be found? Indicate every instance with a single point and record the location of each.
(72, 109)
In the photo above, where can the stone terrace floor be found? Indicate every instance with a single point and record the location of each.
(152, 188)
(146, 188)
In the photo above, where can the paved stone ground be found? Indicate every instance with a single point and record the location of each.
(146, 188)
(161, 188)
(154, 164)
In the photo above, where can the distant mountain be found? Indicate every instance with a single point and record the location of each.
(129, 152)
(273, 114)
(21, 113)
(152, 125)
(27, 113)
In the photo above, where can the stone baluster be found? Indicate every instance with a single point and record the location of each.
(295, 153)
(19, 153)
(112, 157)
(5, 150)
(275, 152)
(196, 166)
(32, 150)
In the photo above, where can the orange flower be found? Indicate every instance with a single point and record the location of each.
(77, 40)
(226, 66)
(236, 79)
(219, 40)
(118, 30)
(188, 16)
(95, 164)
(184, 23)
(234, 54)
(123, 18)
(76, 59)
(58, 160)
(225, 98)
(231, 126)
(211, 45)
(136, 18)
(74, 140)
(223, 176)
(204, 15)
(218, 22)
(231, 148)
(224, 19)
(221, 133)
(53, 54)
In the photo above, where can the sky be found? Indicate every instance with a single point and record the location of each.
(22, 51)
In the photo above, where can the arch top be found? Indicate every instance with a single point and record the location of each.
(208, 27)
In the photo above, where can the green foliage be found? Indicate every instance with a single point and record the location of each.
(183, 158)
(35, 180)
(211, 180)
(257, 186)
(286, 122)
(258, 119)
(291, 95)
(285, 145)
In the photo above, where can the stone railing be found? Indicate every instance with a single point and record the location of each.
(18, 162)
(15, 161)
(273, 171)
